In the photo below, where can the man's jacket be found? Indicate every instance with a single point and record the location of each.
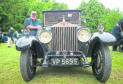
(10, 33)
(29, 21)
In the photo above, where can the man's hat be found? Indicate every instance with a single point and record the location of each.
(34, 12)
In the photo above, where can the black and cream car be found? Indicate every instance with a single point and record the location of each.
(63, 43)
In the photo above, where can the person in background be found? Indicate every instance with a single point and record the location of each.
(15, 36)
(32, 24)
(21, 33)
(116, 32)
(10, 34)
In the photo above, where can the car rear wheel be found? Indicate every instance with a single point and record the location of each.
(101, 62)
(27, 63)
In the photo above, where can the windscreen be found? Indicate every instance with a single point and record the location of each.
(54, 17)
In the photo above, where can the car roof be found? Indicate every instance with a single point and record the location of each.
(61, 11)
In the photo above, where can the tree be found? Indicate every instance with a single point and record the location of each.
(40, 6)
(95, 14)
(3, 19)
(16, 12)
(112, 19)
(82, 7)
(58, 6)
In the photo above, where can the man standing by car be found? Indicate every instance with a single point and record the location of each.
(10, 34)
(32, 24)
(117, 33)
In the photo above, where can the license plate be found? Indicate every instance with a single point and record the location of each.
(67, 61)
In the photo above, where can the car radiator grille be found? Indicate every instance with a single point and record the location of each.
(64, 39)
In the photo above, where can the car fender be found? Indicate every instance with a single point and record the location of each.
(104, 37)
(32, 42)
(25, 42)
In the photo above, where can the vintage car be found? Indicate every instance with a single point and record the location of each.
(4, 37)
(63, 43)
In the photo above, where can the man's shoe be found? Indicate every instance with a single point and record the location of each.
(9, 46)
(114, 50)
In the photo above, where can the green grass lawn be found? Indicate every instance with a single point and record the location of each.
(10, 71)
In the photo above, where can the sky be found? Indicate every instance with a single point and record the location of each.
(112, 4)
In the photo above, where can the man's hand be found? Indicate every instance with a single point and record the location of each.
(39, 27)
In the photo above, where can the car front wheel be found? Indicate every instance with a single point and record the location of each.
(27, 67)
(101, 62)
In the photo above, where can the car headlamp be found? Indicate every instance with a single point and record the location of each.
(45, 36)
(84, 35)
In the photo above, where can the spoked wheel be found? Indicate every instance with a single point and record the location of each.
(121, 47)
(27, 65)
(101, 62)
